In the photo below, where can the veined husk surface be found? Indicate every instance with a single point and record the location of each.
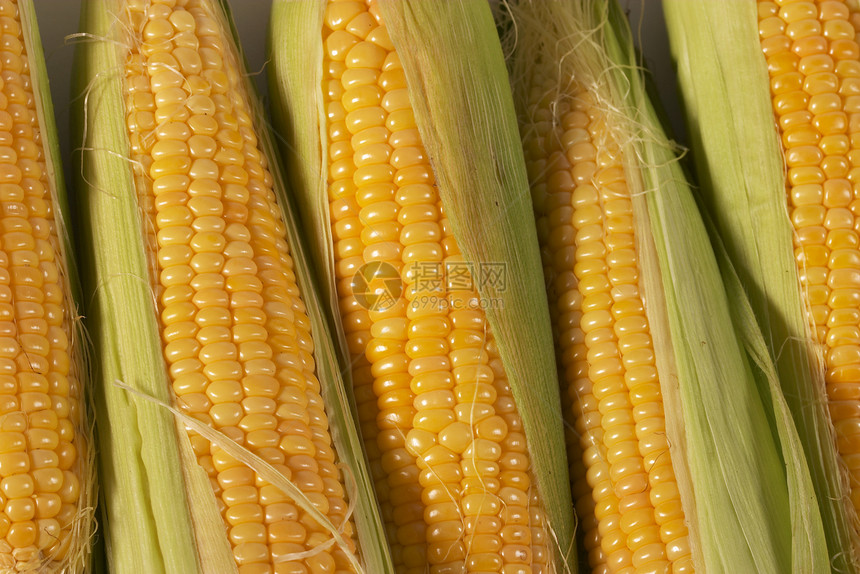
(743, 477)
(159, 510)
(458, 87)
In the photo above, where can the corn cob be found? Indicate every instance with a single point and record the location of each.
(794, 90)
(47, 486)
(217, 275)
(445, 429)
(625, 257)
(813, 61)
(429, 353)
(584, 210)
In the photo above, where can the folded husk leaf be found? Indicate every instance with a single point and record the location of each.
(458, 86)
(159, 509)
(739, 163)
(742, 475)
(80, 553)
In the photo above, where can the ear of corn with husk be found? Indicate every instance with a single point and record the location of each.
(764, 147)
(622, 236)
(226, 440)
(48, 486)
(369, 95)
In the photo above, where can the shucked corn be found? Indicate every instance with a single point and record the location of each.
(235, 332)
(442, 430)
(452, 367)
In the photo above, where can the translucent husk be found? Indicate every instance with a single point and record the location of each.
(79, 556)
(459, 88)
(739, 162)
(159, 510)
(742, 474)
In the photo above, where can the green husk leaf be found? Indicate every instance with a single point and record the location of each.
(79, 557)
(50, 139)
(161, 513)
(493, 172)
(736, 147)
(213, 549)
(728, 429)
(806, 521)
(295, 80)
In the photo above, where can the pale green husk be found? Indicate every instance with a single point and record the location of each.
(744, 483)
(459, 89)
(159, 510)
(735, 143)
(79, 557)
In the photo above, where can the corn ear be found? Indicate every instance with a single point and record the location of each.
(44, 341)
(739, 162)
(458, 104)
(729, 432)
(159, 510)
(141, 476)
(435, 78)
